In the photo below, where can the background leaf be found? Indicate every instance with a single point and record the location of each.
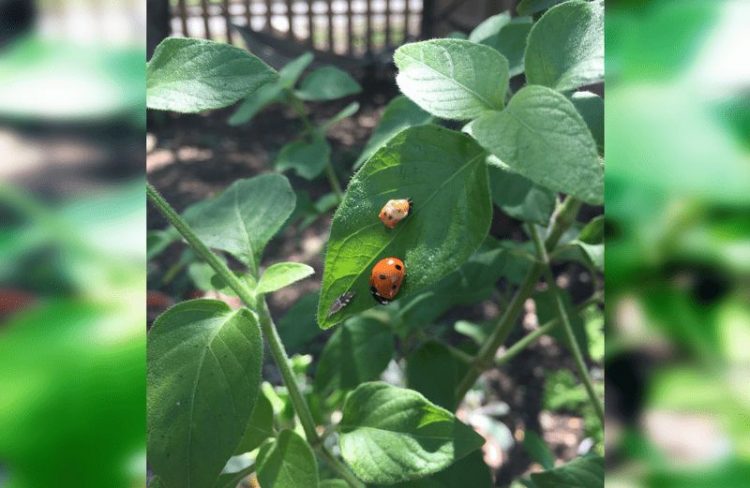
(528, 7)
(333, 484)
(358, 351)
(452, 78)
(280, 275)
(519, 197)
(585, 472)
(399, 114)
(507, 35)
(445, 175)
(192, 75)
(298, 326)
(308, 158)
(470, 471)
(591, 108)
(434, 371)
(390, 435)
(289, 74)
(259, 427)
(255, 102)
(541, 136)
(342, 114)
(327, 83)
(566, 46)
(538, 450)
(244, 217)
(287, 462)
(204, 363)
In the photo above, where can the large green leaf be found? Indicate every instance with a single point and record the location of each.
(259, 427)
(566, 46)
(399, 114)
(507, 35)
(308, 158)
(430, 361)
(327, 83)
(445, 175)
(391, 435)
(244, 217)
(204, 362)
(358, 351)
(280, 275)
(452, 78)
(541, 136)
(192, 75)
(287, 462)
(470, 471)
(519, 197)
(585, 472)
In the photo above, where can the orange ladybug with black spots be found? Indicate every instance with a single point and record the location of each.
(386, 279)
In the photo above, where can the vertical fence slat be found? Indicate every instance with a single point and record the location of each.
(183, 17)
(428, 14)
(310, 24)
(269, 14)
(290, 18)
(368, 28)
(407, 20)
(388, 15)
(249, 13)
(330, 25)
(349, 28)
(228, 22)
(206, 23)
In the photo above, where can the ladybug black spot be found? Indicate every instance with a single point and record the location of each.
(398, 267)
(390, 217)
(394, 287)
(382, 277)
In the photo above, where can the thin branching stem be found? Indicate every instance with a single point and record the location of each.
(565, 320)
(562, 219)
(299, 107)
(258, 305)
(531, 337)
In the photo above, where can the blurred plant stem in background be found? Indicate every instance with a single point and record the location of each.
(678, 244)
(72, 255)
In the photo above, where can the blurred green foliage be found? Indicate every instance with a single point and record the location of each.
(72, 363)
(678, 243)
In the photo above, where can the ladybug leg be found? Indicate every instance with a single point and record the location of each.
(411, 203)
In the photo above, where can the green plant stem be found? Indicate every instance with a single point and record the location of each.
(267, 326)
(299, 107)
(562, 219)
(540, 331)
(567, 327)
